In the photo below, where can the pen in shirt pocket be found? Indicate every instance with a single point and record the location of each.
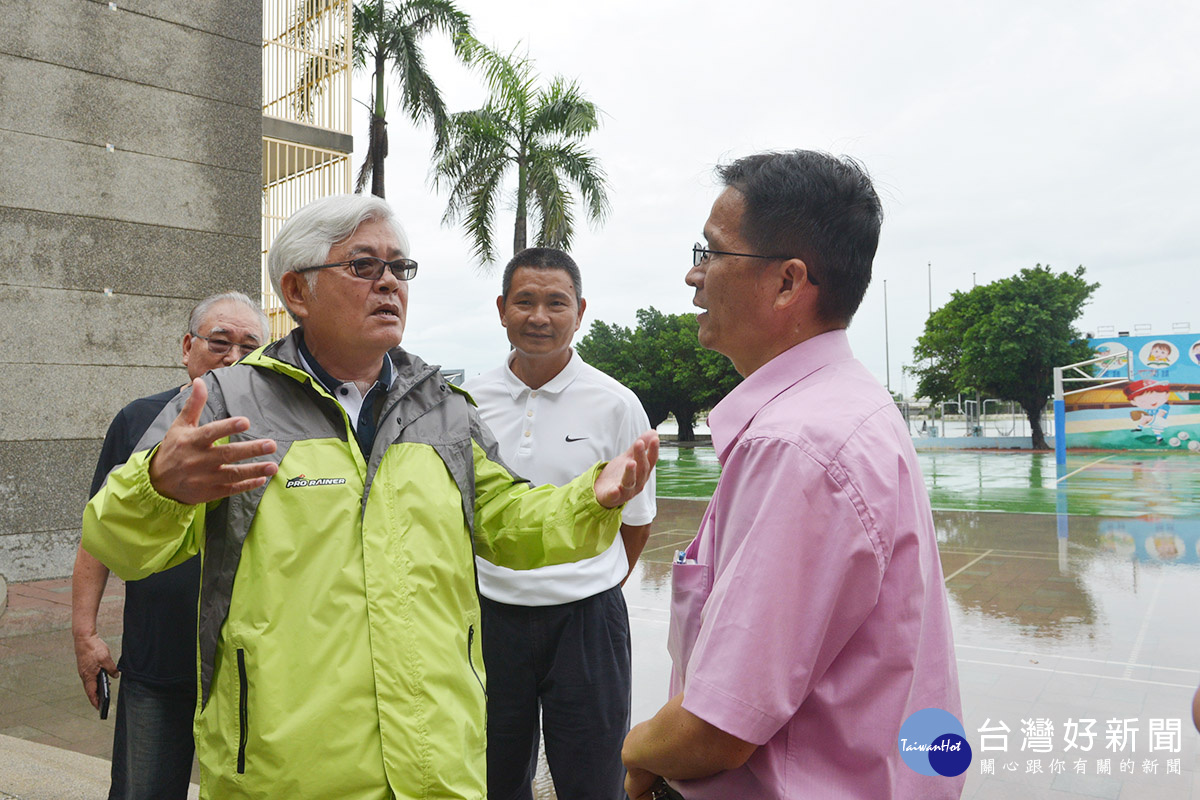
(681, 558)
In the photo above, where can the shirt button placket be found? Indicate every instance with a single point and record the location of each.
(527, 436)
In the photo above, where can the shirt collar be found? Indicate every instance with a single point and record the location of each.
(729, 418)
(558, 383)
(387, 373)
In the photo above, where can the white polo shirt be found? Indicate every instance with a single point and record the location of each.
(551, 435)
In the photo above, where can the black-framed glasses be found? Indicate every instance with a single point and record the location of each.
(370, 268)
(702, 254)
(220, 347)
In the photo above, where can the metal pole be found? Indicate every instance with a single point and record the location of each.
(929, 272)
(1060, 423)
(887, 359)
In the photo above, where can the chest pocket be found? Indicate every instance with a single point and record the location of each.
(690, 586)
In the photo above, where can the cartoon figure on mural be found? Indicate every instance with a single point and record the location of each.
(1151, 408)
(1160, 353)
(1115, 356)
(1195, 352)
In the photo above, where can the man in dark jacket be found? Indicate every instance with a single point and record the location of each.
(152, 744)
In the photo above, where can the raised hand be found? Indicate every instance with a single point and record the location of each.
(624, 476)
(190, 468)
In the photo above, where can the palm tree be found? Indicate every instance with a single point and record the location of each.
(390, 34)
(537, 131)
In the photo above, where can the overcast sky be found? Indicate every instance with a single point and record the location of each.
(999, 135)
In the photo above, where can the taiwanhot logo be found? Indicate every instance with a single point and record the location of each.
(301, 482)
(933, 742)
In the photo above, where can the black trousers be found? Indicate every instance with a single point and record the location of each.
(572, 661)
(152, 742)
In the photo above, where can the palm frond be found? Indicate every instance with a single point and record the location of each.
(419, 95)
(563, 110)
(581, 168)
(584, 171)
(553, 204)
(307, 28)
(364, 172)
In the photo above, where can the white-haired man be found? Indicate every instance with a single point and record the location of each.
(152, 741)
(339, 622)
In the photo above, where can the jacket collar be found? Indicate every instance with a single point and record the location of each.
(284, 356)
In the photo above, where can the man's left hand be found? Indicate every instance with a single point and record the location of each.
(624, 476)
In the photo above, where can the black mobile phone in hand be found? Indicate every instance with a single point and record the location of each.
(104, 693)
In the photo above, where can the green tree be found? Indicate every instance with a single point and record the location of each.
(1004, 339)
(389, 35)
(662, 362)
(536, 132)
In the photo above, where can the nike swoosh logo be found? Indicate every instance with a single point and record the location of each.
(576, 439)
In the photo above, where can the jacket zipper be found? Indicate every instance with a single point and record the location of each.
(470, 660)
(242, 711)
(384, 414)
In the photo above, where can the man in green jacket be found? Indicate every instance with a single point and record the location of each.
(338, 489)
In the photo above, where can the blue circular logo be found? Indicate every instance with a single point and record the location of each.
(933, 742)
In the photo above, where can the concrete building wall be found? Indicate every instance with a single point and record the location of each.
(130, 188)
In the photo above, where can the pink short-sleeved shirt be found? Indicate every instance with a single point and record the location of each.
(814, 621)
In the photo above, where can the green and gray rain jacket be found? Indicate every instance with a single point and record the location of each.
(339, 623)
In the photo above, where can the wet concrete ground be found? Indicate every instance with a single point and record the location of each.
(1058, 618)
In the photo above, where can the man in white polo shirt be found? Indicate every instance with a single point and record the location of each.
(557, 637)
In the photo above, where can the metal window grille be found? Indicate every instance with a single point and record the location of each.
(306, 62)
(306, 79)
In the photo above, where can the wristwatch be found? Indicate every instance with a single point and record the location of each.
(661, 790)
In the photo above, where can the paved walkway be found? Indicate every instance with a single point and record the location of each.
(41, 697)
(53, 744)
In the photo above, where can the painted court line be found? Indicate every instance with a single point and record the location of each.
(1187, 686)
(1048, 656)
(1081, 469)
(1141, 635)
(1000, 551)
(651, 609)
(970, 563)
(669, 546)
(1017, 554)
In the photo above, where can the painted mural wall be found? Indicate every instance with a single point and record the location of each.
(1157, 409)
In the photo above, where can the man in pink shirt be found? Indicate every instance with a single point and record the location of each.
(809, 617)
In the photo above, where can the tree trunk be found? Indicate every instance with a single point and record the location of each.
(656, 413)
(1034, 415)
(519, 233)
(378, 121)
(378, 153)
(686, 432)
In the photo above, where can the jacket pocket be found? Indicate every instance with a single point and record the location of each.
(471, 658)
(243, 711)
